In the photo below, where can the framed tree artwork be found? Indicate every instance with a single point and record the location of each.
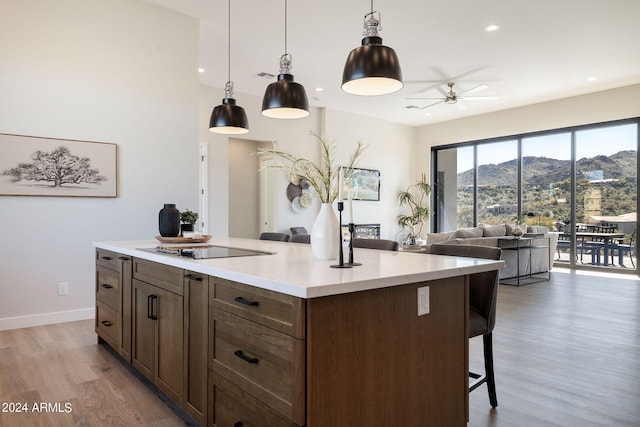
(36, 166)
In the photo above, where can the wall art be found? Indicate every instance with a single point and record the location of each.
(364, 184)
(37, 166)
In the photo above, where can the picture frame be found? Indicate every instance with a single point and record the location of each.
(364, 184)
(52, 167)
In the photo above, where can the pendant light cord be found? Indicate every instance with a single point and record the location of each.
(229, 44)
(285, 27)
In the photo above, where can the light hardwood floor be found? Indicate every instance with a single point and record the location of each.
(567, 353)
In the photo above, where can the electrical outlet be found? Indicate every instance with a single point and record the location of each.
(63, 288)
(423, 300)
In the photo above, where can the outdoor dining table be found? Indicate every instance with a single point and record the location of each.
(607, 239)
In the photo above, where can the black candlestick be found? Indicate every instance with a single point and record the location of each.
(341, 263)
(352, 229)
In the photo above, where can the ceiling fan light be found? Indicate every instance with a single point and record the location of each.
(285, 99)
(229, 118)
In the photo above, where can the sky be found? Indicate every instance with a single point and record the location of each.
(590, 143)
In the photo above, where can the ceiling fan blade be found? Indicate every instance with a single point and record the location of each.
(431, 105)
(440, 98)
(475, 89)
(478, 98)
(443, 92)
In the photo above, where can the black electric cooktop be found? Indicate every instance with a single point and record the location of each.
(205, 252)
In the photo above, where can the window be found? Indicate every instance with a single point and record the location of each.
(571, 179)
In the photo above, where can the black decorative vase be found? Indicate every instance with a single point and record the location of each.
(169, 220)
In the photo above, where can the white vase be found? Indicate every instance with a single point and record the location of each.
(325, 238)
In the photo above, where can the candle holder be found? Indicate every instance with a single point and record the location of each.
(352, 229)
(340, 263)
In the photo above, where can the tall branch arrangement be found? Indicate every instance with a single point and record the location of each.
(323, 176)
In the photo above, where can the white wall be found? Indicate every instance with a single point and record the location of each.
(614, 104)
(115, 71)
(390, 151)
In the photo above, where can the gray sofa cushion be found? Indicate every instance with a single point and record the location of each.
(439, 237)
(467, 233)
(494, 230)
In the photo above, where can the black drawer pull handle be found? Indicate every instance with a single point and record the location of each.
(244, 357)
(106, 286)
(192, 277)
(151, 308)
(238, 424)
(106, 258)
(246, 302)
(123, 258)
(106, 323)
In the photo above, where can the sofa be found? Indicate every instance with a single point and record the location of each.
(488, 235)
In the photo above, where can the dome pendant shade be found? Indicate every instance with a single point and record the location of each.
(372, 69)
(229, 118)
(285, 99)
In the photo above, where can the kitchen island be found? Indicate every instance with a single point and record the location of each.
(284, 339)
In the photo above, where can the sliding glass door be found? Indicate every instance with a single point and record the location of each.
(580, 183)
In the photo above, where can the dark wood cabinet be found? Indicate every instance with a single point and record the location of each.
(196, 304)
(113, 301)
(158, 332)
(256, 356)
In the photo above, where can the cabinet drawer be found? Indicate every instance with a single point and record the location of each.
(107, 258)
(231, 406)
(266, 363)
(107, 285)
(107, 324)
(276, 310)
(163, 276)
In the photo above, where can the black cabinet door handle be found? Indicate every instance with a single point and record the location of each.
(123, 258)
(238, 424)
(106, 323)
(192, 277)
(246, 301)
(149, 306)
(106, 286)
(153, 307)
(241, 355)
(106, 258)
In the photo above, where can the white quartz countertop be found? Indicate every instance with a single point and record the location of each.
(293, 269)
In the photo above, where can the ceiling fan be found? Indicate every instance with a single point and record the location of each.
(452, 97)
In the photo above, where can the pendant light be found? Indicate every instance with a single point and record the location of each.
(229, 118)
(285, 99)
(372, 69)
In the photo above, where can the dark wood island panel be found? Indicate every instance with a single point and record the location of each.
(371, 360)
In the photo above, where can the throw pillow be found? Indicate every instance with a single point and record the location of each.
(510, 228)
(468, 233)
(494, 230)
(439, 237)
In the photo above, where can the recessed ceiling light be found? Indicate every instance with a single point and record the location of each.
(427, 114)
(319, 89)
(201, 70)
(266, 75)
(592, 79)
(492, 27)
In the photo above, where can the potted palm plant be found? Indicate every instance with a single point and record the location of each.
(416, 198)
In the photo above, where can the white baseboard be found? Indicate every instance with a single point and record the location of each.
(47, 318)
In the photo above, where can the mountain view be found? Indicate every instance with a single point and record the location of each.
(606, 186)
